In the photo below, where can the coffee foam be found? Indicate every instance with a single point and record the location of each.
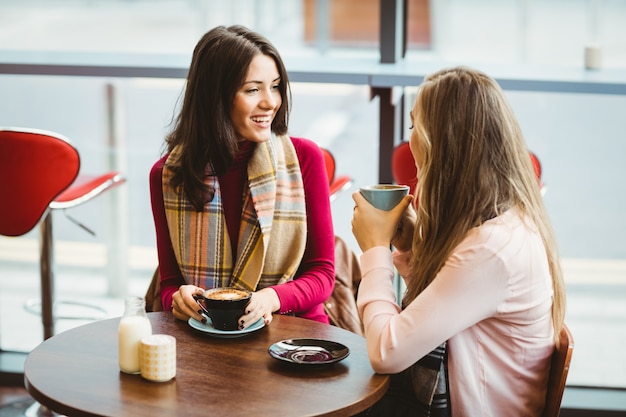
(387, 187)
(226, 294)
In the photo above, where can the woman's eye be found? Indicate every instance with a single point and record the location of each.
(411, 127)
(252, 90)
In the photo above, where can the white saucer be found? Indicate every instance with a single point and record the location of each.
(209, 329)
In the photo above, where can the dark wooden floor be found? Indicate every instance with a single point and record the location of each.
(11, 394)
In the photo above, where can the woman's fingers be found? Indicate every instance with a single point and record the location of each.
(373, 227)
(252, 315)
(184, 305)
(261, 305)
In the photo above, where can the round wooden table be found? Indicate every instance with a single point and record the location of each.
(76, 373)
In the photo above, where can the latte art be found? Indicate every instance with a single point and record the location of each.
(226, 294)
(224, 306)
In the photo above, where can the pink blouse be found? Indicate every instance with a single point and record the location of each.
(305, 295)
(491, 301)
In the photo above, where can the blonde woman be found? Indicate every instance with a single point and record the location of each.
(485, 294)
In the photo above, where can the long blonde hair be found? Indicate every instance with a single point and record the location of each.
(475, 166)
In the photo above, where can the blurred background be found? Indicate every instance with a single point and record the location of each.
(120, 123)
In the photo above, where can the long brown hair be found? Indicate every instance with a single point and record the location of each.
(475, 166)
(204, 132)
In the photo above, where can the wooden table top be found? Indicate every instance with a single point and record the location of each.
(76, 373)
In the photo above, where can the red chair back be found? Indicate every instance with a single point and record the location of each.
(536, 164)
(335, 183)
(538, 171)
(404, 171)
(329, 161)
(403, 167)
(35, 167)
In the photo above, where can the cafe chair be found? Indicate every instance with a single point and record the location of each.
(153, 293)
(341, 305)
(559, 368)
(336, 182)
(404, 171)
(40, 173)
(538, 171)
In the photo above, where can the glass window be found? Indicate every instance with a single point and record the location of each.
(553, 32)
(578, 137)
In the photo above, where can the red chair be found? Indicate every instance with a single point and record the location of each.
(403, 167)
(404, 170)
(335, 183)
(40, 173)
(538, 171)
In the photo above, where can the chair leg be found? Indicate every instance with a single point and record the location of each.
(46, 262)
(45, 305)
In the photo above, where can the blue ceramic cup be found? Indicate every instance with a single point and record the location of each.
(384, 196)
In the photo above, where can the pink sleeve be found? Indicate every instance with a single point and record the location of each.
(315, 279)
(395, 338)
(401, 261)
(171, 278)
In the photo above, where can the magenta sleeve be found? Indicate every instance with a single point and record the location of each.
(314, 282)
(170, 275)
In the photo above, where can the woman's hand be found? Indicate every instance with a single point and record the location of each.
(373, 227)
(184, 305)
(403, 239)
(262, 304)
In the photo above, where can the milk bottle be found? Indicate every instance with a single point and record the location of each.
(134, 325)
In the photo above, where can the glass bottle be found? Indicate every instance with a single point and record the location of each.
(133, 326)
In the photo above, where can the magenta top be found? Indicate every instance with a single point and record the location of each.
(305, 295)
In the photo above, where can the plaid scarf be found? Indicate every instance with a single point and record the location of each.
(272, 234)
(421, 390)
(429, 380)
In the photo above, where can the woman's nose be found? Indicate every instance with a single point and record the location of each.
(269, 100)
